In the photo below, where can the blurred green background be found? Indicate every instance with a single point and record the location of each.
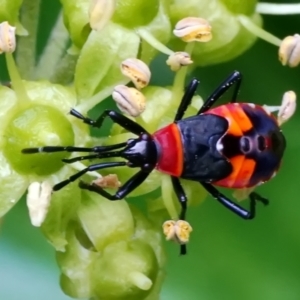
(228, 258)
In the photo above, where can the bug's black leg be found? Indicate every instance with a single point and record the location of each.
(94, 167)
(93, 156)
(240, 211)
(116, 117)
(186, 99)
(51, 149)
(179, 191)
(123, 191)
(180, 195)
(234, 78)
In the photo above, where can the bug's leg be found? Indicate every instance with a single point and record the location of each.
(123, 191)
(94, 167)
(51, 149)
(116, 117)
(93, 156)
(180, 195)
(234, 78)
(179, 191)
(186, 99)
(240, 211)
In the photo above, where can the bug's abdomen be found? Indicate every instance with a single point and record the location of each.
(253, 143)
(170, 152)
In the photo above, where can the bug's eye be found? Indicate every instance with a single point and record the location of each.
(261, 143)
(245, 144)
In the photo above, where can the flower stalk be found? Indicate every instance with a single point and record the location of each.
(26, 51)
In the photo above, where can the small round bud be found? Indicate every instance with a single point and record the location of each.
(193, 29)
(100, 12)
(38, 201)
(110, 181)
(129, 100)
(137, 71)
(177, 231)
(178, 59)
(289, 51)
(7, 38)
(287, 108)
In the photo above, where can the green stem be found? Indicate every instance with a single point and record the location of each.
(278, 9)
(16, 80)
(179, 80)
(65, 71)
(257, 31)
(26, 50)
(166, 194)
(88, 104)
(155, 43)
(53, 51)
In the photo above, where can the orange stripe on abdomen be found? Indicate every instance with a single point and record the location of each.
(243, 169)
(240, 117)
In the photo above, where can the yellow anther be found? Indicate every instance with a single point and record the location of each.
(177, 231)
(193, 29)
(287, 108)
(129, 100)
(178, 59)
(289, 51)
(137, 71)
(7, 38)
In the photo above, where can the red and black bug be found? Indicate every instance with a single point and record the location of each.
(236, 145)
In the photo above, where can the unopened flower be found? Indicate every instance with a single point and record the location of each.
(193, 30)
(137, 71)
(129, 100)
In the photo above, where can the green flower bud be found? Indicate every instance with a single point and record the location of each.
(116, 253)
(9, 11)
(101, 57)
(42, 121)
(135, 13)
(230, 39)
(76, 263)
(105, 221)
(125, 270)
(63, 209)
(150, 233)
(37, 125)
(76, 19)
(240, 6)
